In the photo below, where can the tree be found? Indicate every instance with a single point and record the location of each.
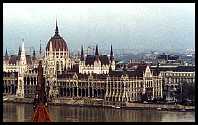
(187, 92)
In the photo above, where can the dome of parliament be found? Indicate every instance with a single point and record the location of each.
(57, 42)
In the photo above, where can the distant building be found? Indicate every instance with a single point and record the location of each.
(150, 58)
(188, 60)
(169, 59)
(173, 78)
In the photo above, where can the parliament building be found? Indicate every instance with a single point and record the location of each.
(93, 77)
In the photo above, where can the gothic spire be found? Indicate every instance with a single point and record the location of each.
(23, 55)
(19, 52)
(34, 54)
(111, 54)
(40, 48)
(56, 30)
(6, 55)
(96, 52)
(82, 54)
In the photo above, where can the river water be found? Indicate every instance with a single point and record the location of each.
(13, 112)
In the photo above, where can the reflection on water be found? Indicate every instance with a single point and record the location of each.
(20, 112)
(23, 112)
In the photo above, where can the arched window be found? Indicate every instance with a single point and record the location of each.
(28, 80)
(32, 81)
(62, 65)
(57, 65)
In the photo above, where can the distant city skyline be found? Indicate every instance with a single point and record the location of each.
(133, 26)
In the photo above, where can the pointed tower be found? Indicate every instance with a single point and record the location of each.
(56, 30)
(82, 54)
(19, 53)
(147, 72)
(34, 55)
(23, 56)
(112, 61)
(82, 61)
(40, 49)
(111, 54)
(22, 69)
(6, 58)
(97, 62)
(96, 52)
(6, 55)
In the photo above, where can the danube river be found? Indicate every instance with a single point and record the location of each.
(14, 112)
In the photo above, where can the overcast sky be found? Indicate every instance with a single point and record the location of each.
(132, 26)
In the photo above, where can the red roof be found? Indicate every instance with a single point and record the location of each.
(57, 43)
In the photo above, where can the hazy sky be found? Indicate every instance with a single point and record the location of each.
(132, 26)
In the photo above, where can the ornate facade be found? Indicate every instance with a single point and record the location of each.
(56, 60)
(30, 82)
(19, 64)
(10, 83)
(94, 77)
(129, 86)
(117, 87)
(99, 64)
(74, 85)
(173, 81)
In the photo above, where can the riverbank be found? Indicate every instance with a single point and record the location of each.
(100, 103)
(18, 112)
(161, 107)
(18, 100)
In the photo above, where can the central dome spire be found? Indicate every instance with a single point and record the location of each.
(56, 30)
(57, 41)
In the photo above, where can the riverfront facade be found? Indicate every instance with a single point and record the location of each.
(92, 77)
